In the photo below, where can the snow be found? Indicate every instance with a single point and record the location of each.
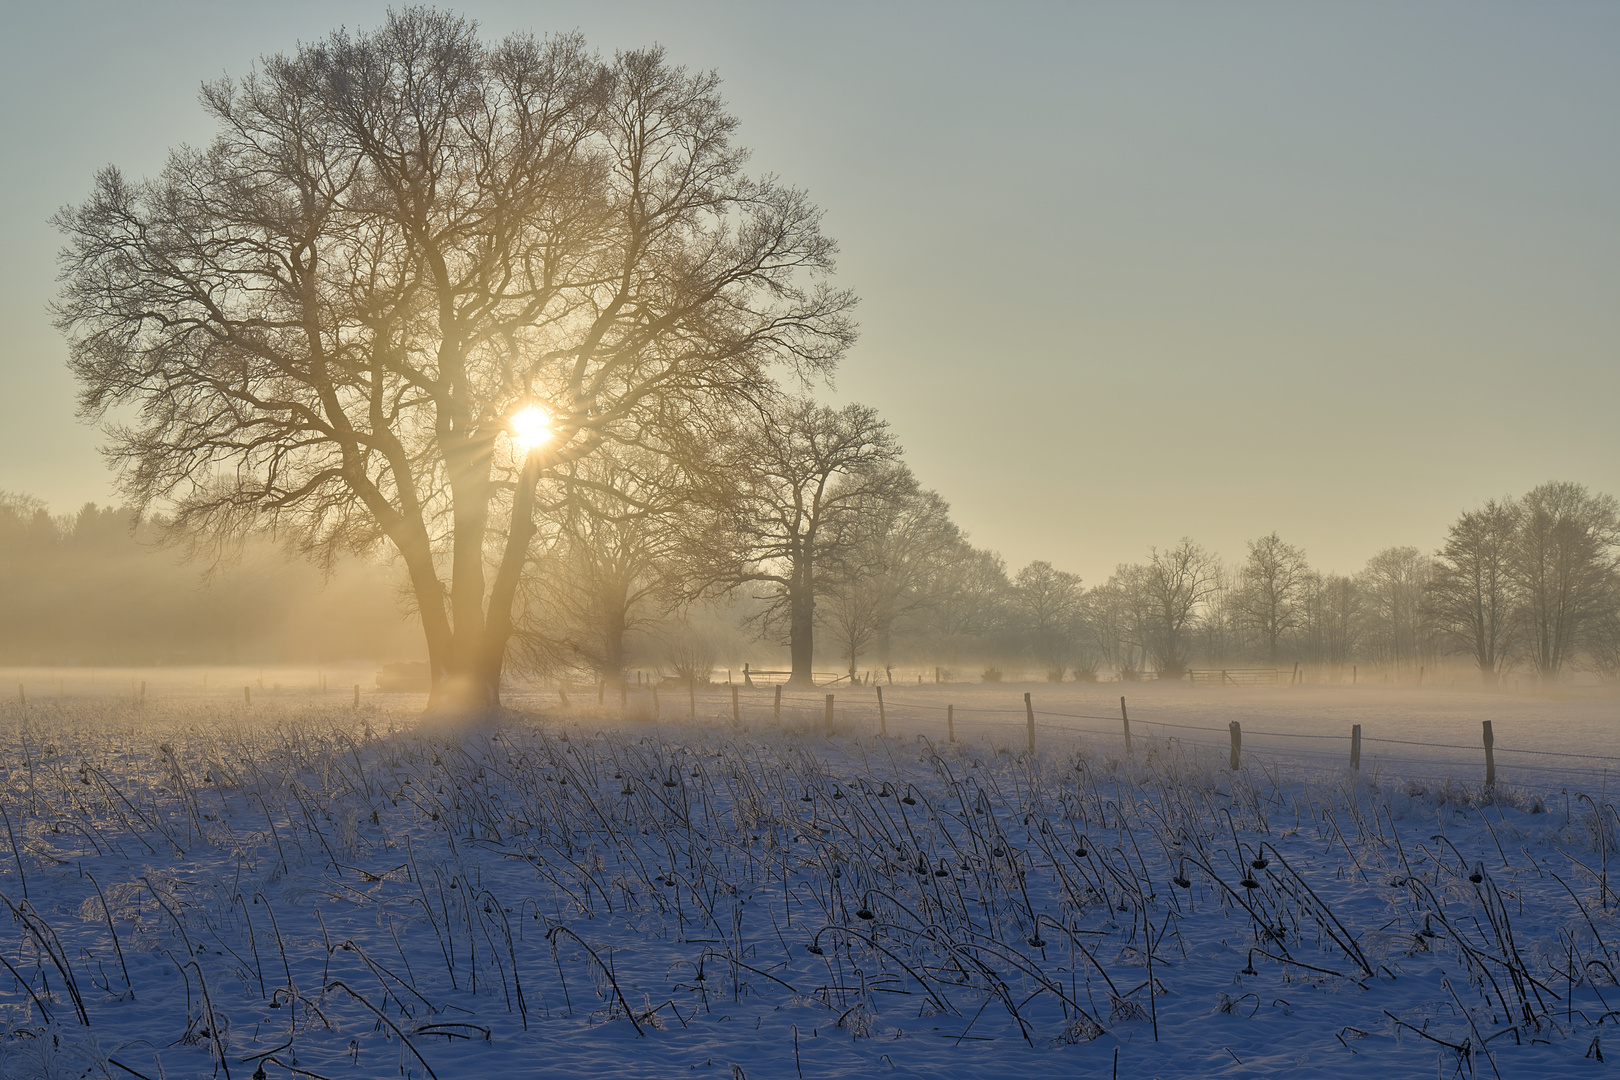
(310, 889)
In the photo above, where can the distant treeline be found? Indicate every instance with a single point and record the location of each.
(94, 588)
(1529, 584)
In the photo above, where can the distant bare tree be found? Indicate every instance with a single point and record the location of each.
(615, 559)
(1048, 610)
(1222, 628)
(804, 473)
(1471, 593)
(1272, 582)
(1176, 583)
(400, 244)
(968, 599)
(884, 566)
(1393, 584)
(1564, 567)
(1331, 619)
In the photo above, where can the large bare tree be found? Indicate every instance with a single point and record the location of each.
(1564, 564)
(1471, 594)
(1273, 581)
(804, 473)
(402, 249)
(1176, 583)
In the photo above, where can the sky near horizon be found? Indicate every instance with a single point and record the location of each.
(1128, 272)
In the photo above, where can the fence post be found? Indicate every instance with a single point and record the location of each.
(562, 692)
(22, 696)
(736, 713)
(357, 695)
(1125, 719)
(883, 716)
(1295, 677)
(624, 693)
(1029, 715)
(1420, 674)
(829, 714)
(1355, 746)
(691, 697)
(1490, 756)
(1353, 672)
(950, 723)
(779, 701)
(143, 691)
(247, 695)
(655, 699)
(1237, 743)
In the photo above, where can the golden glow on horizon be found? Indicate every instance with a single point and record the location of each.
(531, 427)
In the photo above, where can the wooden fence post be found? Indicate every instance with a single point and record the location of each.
(950, 723)
(1237, 743)
(1490, 756)
(1295, 677)
(1029, 716)
(143, 691)
(1420, 674)
(736, 713)
(779, 701)
(247, 695)
(829, 714)
(883, 716)
(1355, 746)
(655, 700)
(22, 696)
(357, 695)
(1353, 672)
(562, 692)
(1125, 719)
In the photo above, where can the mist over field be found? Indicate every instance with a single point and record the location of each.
(777, 542)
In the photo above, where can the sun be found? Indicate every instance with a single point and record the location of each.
(530, 427)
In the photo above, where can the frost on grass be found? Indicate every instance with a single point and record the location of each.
(338, 894)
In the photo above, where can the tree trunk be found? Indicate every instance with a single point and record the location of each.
(801, 635)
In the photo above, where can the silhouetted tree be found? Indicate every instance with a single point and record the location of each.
(1564, 566)
(1175, 582)
(886, 559)
(397, 243)
(1048, 612)
(1471, 592)
(1272, 581)
(1392, 584)
(804, 473)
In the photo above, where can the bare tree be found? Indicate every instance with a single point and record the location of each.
(1176, 582)
(614, 560)
(1564, 566)
(804, 473)
(886, 560)
(1393, 584)
(1331, 619)
(1471, 593)
(968, 599)
(402, 249)
(1273, 580)
(1048, 611)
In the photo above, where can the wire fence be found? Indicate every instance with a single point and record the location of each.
(1320, 751)
(1461, 758)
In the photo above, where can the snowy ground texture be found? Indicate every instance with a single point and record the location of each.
(301, 889)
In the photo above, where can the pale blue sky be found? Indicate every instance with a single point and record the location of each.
(1128, 271)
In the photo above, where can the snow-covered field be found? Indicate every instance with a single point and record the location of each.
(300, 888)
